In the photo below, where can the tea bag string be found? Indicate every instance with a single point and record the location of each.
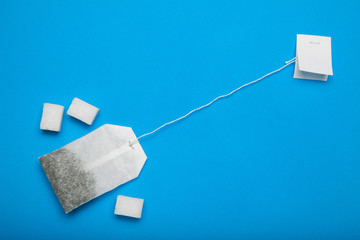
(287, 63)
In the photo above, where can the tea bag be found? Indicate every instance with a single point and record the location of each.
(94, 164)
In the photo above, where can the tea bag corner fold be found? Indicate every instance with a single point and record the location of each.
(93, 165)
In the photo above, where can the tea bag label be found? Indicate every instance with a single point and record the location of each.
(92, 165)
(313, 57)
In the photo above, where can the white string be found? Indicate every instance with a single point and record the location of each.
(291, 60)
(287, 63)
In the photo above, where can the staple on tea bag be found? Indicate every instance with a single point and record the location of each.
(92, 165)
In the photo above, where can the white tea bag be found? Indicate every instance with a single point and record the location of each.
(94, 164)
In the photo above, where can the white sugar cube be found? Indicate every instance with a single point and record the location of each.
(51, 117)
(128, 206)
(82, 111)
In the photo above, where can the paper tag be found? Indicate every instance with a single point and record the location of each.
(92, 165)
(313, 57)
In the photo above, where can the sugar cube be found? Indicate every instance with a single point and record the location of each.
(128, 206)
(51, 117)
(83, 111)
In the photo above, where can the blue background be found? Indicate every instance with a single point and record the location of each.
(278, 160)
